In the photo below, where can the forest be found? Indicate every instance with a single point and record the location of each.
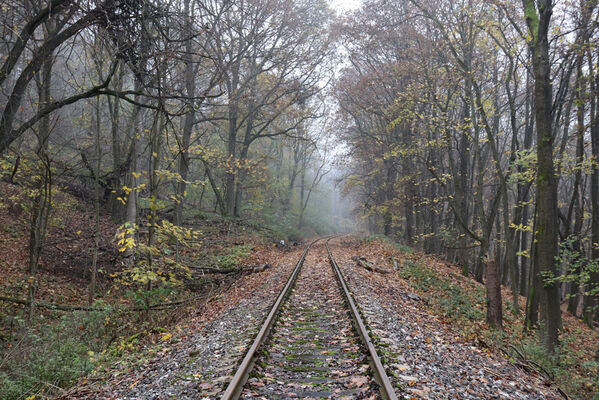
(155, 155)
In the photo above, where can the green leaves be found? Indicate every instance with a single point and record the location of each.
(532, 19)
(234, 256)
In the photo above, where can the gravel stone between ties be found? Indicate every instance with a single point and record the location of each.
(314, 351)
(424, 359)
(201, 361)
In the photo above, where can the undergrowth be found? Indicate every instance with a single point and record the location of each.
(464, 306)
(233, 256)
(47, 356)
(398, 246)
(44, 356)
(450, 298)
(282, 224)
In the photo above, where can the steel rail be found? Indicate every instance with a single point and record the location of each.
(236, 385)
(385, 387)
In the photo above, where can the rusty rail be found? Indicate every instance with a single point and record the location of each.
(385, 386)
(236, 385)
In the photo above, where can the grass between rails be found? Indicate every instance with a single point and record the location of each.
(461, 301)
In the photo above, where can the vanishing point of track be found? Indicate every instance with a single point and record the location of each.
(319, 339)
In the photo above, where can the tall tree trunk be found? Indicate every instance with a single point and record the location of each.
(220, 202)
(116, 207)
(590, 301)
(94, 266)
(389, 196)
(153, 164)
(233, 110)
(241, 175)
(481, 160)
(43, 198)
(524, 193)
(509, 269)
(301, 199)
(409, 192)
(576, 204)
(132, 173)
(494, 305)
(230, 176)
(534, 282)
(189, 117)
(538, 16)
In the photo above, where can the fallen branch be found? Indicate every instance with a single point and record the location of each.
(395, 264)
(564, 394)
(532, 366)
(495, 374)
(210, 270)
(361, 261)
(52, 306)
(68, 307)
(536, 366)
(166, 306)
(154, 307)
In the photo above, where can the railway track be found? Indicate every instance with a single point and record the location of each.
(313, 343)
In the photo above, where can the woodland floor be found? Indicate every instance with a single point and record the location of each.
(428, 355)
(426, 319)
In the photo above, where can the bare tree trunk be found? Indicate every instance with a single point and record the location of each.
(300, 223)
(241, 175)
(479, 265)
(220, 202)
(494, 305)
(464, 145)
(43, 198)
(131, 203)
(538, 16)
(534, 282)
(409, 189)
(115, 206)
(230, 176)
(155, 145)
(189, 117)
(94, 267)
(576, 204)
(523, 246)
(590, 301)
(523, 196)
(389, 194)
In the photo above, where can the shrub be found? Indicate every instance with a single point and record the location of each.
(50, 356)
(401, 247)
(452, 299)
(234, 256)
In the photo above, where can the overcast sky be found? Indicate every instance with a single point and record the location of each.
(344, 5)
